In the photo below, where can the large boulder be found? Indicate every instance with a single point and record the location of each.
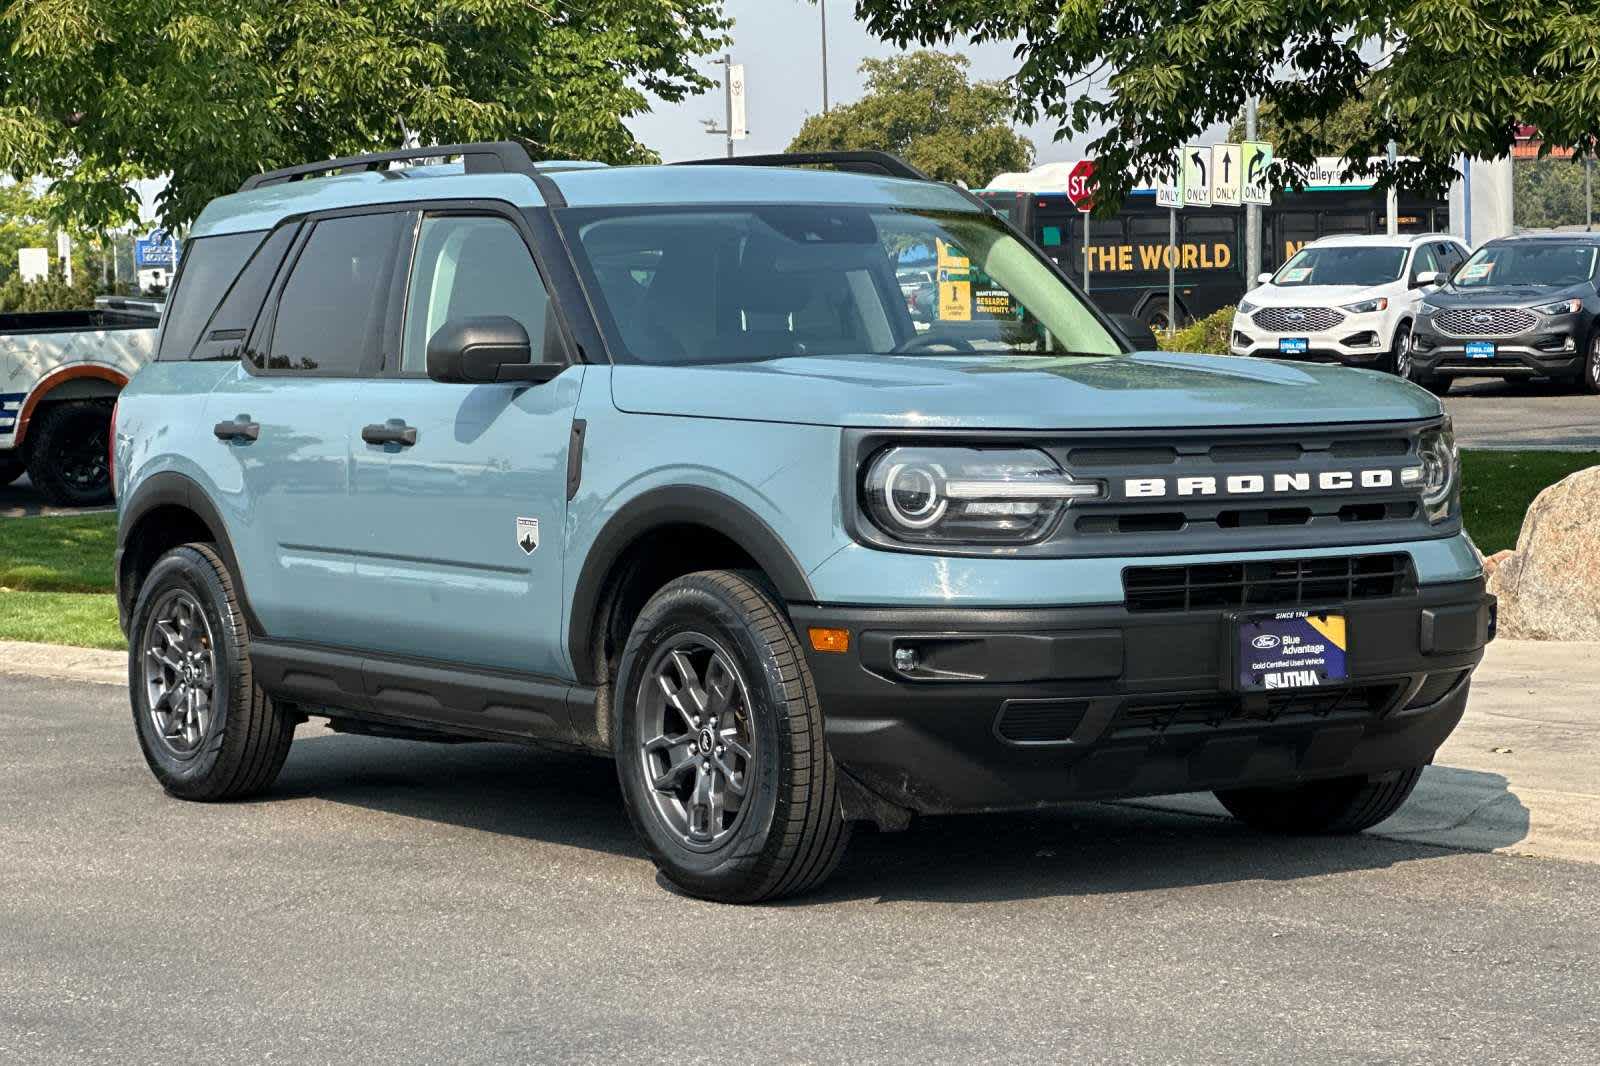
(1549, 588)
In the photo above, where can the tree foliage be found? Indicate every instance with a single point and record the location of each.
(922, 107)
(94, 93)
(1461, 76)
(1548, 192)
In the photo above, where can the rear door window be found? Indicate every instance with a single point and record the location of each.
(224, 335)
(331, 313)
(210, 265)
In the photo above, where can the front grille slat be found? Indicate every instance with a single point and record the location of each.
(1297, 319)
(1275, 583)
(1153, 716)
(1484, 321)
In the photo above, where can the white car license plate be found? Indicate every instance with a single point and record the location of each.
(1293, 345)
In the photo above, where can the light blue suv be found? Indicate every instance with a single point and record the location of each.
(662, 463)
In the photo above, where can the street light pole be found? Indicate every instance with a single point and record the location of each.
(1252, 212)
(822, 6)
(727, 99)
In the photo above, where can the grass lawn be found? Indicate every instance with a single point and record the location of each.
(82, 619)
(1499, 486)
(71, 554)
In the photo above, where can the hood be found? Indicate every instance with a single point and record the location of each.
(1503, 295)
(1315, 295)
(1146, 390)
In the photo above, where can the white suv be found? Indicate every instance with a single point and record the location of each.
(1348, 299)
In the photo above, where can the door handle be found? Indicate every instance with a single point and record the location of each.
(240, 428)
(395, 432)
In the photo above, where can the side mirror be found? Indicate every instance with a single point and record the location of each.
(1141, 336)
(1263, 278)
(1426, 278)
(484, 349)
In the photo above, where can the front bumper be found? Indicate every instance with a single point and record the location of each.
(1360, 340)
(1014, 709)
(1552, 349)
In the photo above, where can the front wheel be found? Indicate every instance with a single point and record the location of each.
(1589, 376)
(1405, 364)
(1340, 806)
(69, 462)
(719, 743)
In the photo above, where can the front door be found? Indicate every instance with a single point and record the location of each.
(463, 519)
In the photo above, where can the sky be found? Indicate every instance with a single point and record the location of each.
(778, 41)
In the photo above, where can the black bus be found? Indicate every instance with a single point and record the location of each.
(1128, 254)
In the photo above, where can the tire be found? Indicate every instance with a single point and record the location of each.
(1341, 806)
(67, 459)
(1399, 349)
(1406, 368)
(11, 468)
(1589, 376)
(239, 737)
(787, 834)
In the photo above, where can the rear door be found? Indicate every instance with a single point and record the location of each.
(288, 417)
(462, 526)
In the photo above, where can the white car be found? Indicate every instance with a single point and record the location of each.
(1348, 299)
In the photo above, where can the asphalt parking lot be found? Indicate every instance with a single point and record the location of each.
(19, 500)
(1491, 413)
(395, 902)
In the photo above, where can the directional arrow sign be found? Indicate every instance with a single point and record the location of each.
(1196, 175)
(1257, 161)
(1169, 191)
(1227, 175)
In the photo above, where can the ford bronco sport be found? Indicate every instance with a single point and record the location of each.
(658, 463)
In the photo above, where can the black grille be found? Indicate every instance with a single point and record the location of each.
(1435, 688)
(1040, 721)
(1484, 321)
(1272, 583)
(1297, 319)
(1210, 710)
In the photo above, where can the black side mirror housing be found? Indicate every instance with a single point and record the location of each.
(1141, 336)
(484, 349)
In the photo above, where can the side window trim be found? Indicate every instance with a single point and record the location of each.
(208, 334)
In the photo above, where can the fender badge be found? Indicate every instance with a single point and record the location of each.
(527, 535)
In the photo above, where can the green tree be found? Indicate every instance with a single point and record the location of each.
(94, 93)
(1548, 192)
(1460, 76)
(923, 107)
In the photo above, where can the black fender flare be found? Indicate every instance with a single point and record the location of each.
(671, 505)
(168, 489)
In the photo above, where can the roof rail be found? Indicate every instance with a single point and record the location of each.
(855, 162)
(485, 157)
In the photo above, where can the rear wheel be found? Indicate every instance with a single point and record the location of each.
(1342, 805)
(718, 736)
(68, 459)
(206, 729)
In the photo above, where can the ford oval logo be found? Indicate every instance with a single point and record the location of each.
(1296, 316)
(1264, 641)
(1482, 319)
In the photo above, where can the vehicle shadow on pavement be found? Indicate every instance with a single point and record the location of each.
(1083, 850)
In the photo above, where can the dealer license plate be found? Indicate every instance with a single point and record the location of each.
(1291, 649)
(1293, 345)
(1480, 349)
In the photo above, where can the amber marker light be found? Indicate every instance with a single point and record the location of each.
(830, 640)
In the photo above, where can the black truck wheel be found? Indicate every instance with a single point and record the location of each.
(68, 459)
(1342, 805)
(718, 736)
(205, 727)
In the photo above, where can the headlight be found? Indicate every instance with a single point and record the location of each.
(1561, 307)
(1247, 308)
(1425, 309)
(969, 495)
(1439, 476)
(1366, 307)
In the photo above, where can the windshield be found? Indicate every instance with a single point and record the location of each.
(1554, 265)
(700, 285)
(1342, 265)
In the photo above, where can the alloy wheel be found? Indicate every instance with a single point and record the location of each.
(180, 673)
(1594, 364)
(83, 465)
(695, 740)
(1402, 358)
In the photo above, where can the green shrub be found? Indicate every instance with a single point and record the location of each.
(1207, 335)
(49, 294)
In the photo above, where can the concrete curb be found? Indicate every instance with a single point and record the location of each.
(64, 664)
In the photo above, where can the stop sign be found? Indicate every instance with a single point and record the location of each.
(1080, 185)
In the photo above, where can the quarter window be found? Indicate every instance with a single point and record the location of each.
(467, 267)
(209, 266)
(331, 315)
